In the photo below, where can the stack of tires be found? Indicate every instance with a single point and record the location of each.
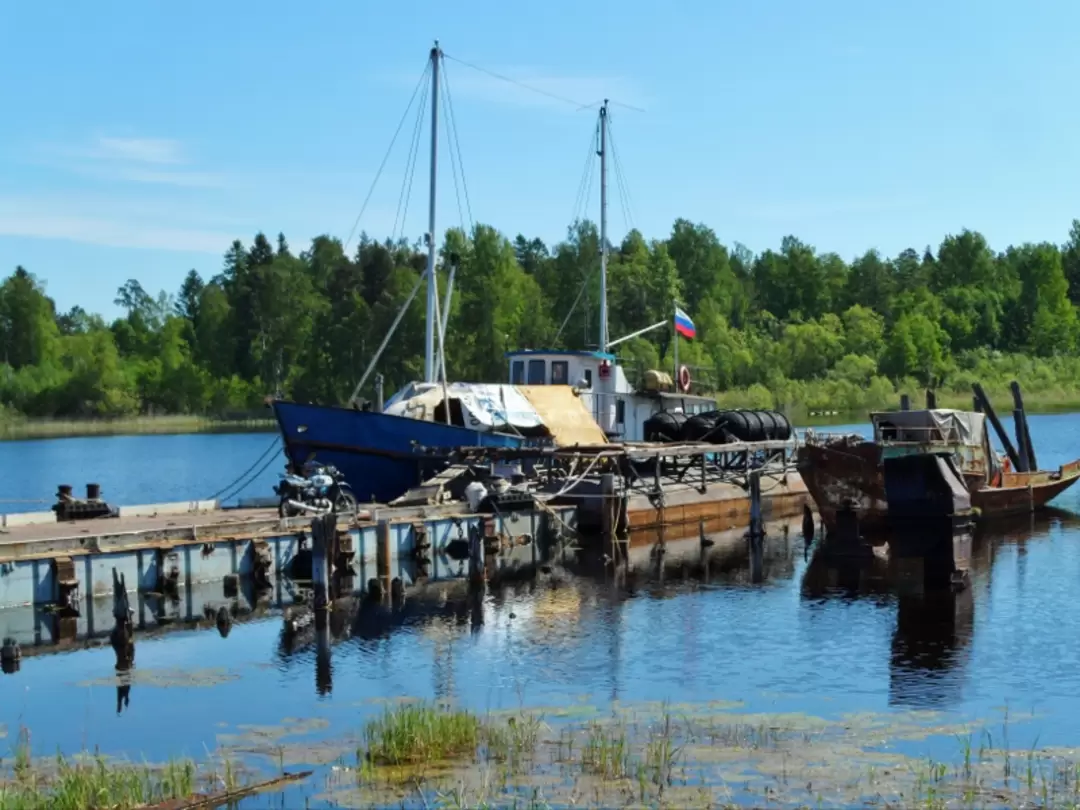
(721, 427)
(665, 426)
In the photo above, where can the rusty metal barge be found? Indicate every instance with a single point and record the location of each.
(928, 464)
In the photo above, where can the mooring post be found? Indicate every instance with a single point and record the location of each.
(122, 636)
(931, 399)
(756, 526)
(383, 554)
(477, 569)
(905, 402)
(608, 511)
(379, 393)
(323, 532)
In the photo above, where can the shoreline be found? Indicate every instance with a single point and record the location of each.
(178, 424)
(25, 429)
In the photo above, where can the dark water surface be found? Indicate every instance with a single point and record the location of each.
(817, 637)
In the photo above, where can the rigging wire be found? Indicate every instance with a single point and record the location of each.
(620, 175)
(457, 145)
(523, 85)
(405, 196)
(454, 167)
(386, 157)
(586, 175)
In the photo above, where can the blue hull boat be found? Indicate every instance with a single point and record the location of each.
(376, 452)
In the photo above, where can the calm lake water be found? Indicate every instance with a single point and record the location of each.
(814, 639)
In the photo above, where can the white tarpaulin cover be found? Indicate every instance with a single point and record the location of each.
(485, 406)
(938, 425)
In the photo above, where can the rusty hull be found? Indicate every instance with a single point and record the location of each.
(843, 475)
(1020, 493)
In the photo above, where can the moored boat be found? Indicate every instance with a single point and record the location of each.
(845, 474)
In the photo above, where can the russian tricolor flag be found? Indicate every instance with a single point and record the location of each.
(683, 325)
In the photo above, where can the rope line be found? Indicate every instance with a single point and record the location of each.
(243, 475)
(386, 157)
(410, 169)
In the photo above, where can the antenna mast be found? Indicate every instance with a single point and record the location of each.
(430, 370)
(603, 227)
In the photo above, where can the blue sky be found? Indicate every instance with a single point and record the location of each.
(138, 139)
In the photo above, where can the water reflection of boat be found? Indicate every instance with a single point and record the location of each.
(930, 641)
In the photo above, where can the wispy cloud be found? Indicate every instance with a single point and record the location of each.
(92, 222)
(136, 150)
(160, 161)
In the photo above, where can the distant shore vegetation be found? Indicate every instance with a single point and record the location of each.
(791, 328)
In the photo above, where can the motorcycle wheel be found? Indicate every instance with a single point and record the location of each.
(345, 502)
(284, 510)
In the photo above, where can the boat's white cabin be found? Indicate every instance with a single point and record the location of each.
(618, 408)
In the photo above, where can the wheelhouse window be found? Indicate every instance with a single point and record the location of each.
(559, 372)
(536, 372)
(588, 378)
(517, 372)
(620, 412)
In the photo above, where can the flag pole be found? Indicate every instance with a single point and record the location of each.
(675, 338)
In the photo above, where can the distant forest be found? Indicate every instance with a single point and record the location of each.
(791, 328)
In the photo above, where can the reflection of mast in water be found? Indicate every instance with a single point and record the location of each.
(612, 621)
(442, 668)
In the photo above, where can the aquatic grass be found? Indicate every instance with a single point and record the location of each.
(656, 759)
(513, 741)
(606, 751)
(418, 733)
(97, 783)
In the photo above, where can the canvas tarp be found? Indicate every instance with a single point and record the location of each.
(938, 425)
(565, 415)
(484, 406)
(552, 409)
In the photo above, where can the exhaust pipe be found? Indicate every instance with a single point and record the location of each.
(303, 507)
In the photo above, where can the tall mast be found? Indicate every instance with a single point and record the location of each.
(603, 227)
(430, 370)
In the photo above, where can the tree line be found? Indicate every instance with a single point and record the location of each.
(793, 328)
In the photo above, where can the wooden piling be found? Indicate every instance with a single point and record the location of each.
(757, 525)
(905, 402)
(608, 510)
(477, 569)
(323, 536)
(931, 399)
(383, 555)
